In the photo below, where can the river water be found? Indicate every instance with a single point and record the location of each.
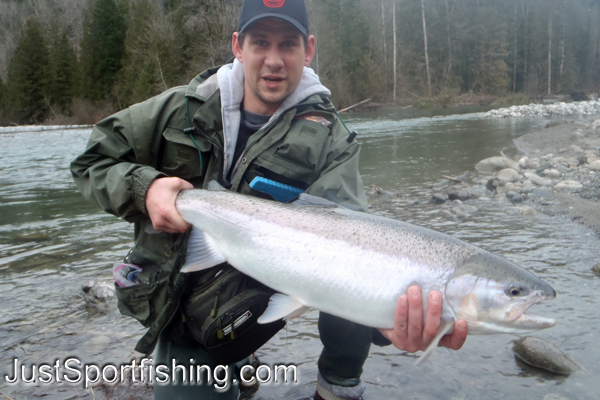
(51, 241)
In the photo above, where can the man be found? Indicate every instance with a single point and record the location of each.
(265, 115)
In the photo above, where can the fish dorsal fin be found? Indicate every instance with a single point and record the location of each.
(214, 185)
(310, 200)
(282, 306)
(446, 326)
(201, 253)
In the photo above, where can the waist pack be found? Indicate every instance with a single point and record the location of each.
(221, 314)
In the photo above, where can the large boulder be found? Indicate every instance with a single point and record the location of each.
(494, 164)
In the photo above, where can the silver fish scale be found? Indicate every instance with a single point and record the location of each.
(368, 231)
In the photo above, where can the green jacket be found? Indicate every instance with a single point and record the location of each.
(306, 146)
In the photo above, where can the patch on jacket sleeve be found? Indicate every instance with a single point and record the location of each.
(315, 118)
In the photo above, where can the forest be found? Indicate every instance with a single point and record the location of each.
(76, 61)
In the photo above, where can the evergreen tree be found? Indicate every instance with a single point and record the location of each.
(26, 97)
(63, 63)
(102, 48)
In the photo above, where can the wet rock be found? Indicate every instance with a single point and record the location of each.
(537, 180)
(542, 354)
(494, 164)
(568, 185)
(381, 192)
(508, 175)
(461, 195)
(527, 187)
(437, 199)
(527, 210)
(558, 109)
(581, 160)
(540, 193)
(514, 197)
(483, 198)
(32, 236)
(596, 269)
(95, 293)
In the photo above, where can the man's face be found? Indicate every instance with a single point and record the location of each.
(274, 56)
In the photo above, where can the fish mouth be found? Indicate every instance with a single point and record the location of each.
(530, 321)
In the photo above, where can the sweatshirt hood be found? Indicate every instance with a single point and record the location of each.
(231, 83)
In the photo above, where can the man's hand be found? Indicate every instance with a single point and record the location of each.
(160, 203)
(409, 332)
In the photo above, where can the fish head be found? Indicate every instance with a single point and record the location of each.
(493, 295)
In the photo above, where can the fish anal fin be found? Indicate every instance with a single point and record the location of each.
(282, 306)
(201, 253)
(446, 326)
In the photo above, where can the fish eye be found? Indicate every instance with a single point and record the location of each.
(514, 290)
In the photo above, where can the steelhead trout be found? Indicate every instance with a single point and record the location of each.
(356, 265)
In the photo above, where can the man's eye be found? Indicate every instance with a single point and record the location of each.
(261, 43)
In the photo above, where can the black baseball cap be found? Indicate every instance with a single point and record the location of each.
(292, 11)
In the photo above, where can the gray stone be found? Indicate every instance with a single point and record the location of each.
(596, 269)
(95, 293)
(494, 164)
(594, 166)
(568, 185)
(537, 180)
(461, 195)
(540, 193)
(437, 199)
(508, 175)
(514, 197)
(527, 210)
(542, 354)
(552, 173)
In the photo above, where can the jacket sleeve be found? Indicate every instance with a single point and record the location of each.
(340, 180)
(121, 159)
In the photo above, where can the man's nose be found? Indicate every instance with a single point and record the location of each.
(274, 59)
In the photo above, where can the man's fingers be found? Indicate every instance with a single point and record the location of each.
(434, 312)
(456, 340)
(415, 315)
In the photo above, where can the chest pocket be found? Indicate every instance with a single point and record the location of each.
(302, 152)
(180, 156)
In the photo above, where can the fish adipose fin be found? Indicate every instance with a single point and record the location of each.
(201, 253)
(446, 325)
(310, 200)
(282, 306)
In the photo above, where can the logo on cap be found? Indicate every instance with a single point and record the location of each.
(274, 3)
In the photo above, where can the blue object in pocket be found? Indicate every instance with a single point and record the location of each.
(279, 191)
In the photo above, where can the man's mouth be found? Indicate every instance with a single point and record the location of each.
(273, 80)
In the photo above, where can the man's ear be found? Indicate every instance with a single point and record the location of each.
(236, 47)
(310, 50)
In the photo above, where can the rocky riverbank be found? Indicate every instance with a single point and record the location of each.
(547, 110)
(556, 173)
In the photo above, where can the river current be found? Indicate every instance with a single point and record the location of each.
(51, 241)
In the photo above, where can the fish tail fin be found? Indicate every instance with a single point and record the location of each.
(446, 325)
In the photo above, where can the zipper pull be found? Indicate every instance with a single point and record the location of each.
(220, 333)
(213, 312)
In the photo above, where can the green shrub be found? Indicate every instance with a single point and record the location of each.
(515, 99)
(424, 102)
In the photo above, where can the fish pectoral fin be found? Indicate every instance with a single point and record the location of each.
(282, 306)
(310, 200)
(446, 325)
(201, 253)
